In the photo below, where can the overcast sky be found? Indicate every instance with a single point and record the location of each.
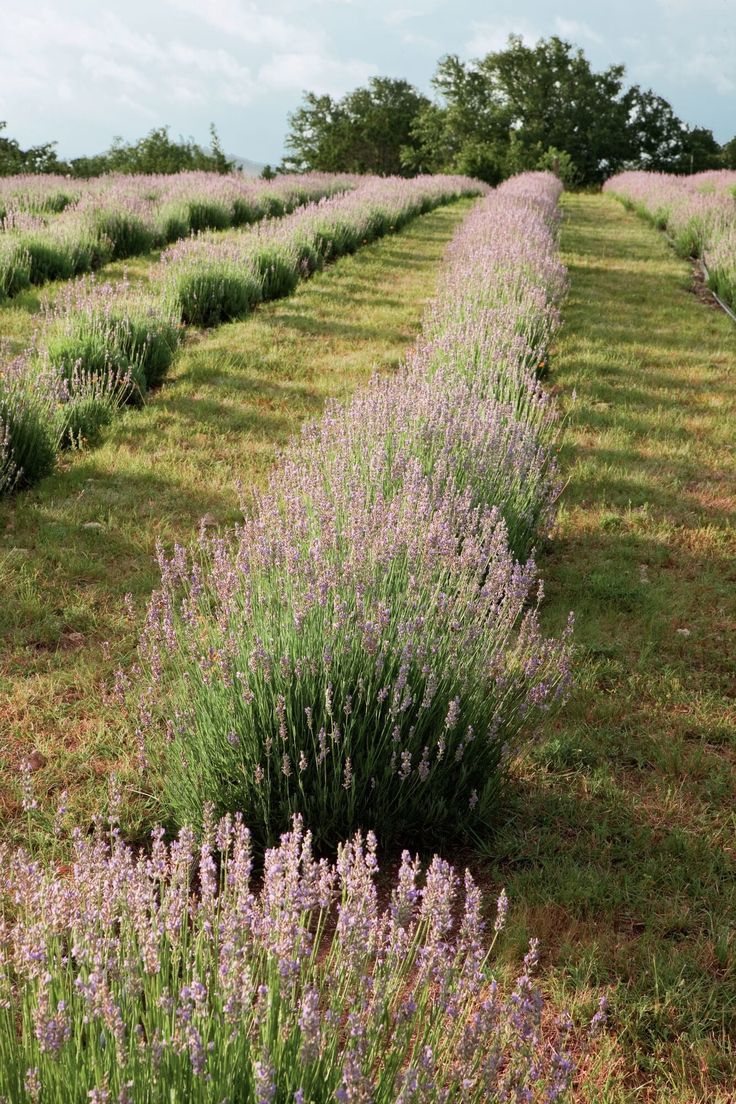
(81, 71)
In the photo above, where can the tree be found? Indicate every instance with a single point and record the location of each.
(700, 151)
(528, 107)
(36, 159)
(728, 154)
(367, 131)
(157, 152)
(655, 134)
(467, 132)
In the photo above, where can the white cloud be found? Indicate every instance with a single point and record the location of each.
(490, 37)
(251, 23)
(575, 31)
(712, 68)
(317, 72)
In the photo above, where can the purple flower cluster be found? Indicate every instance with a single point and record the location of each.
(102, 346)
(698, 212)
(365, 649)
(119, 983)
(211, 278)
(52, 231)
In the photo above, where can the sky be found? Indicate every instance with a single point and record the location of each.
(82, 71)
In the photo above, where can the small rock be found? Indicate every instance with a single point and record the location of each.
(93, 525)
(36, 760)
(683, 632)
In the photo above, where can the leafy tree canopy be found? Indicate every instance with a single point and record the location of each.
(523, 107)
(365, 131)
(37, 159)
(157, 152)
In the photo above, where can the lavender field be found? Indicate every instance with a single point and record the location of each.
(697, 212)
(350, 581)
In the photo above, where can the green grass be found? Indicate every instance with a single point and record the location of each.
(618, 851)
(74, 546)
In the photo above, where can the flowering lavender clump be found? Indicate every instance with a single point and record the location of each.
(365, 648)
(102, 346)
(210, 279)
(51, 233)
(697, 212)
(29, 436)
(108, 332)
(118, 983)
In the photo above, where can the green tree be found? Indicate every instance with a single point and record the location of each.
(36, 159)
(554, 98)
(156, 152)
(527, 107)
(467, 132)
(656, 136)
(728, 154)
(367, 131)
(700, 151)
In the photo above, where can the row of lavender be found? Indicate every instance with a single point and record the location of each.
(113, 217)
(368, 639)
(365, 649)
(698, 212)
(103, 346)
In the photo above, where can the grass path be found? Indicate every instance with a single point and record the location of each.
(74, 546)
(619, 852)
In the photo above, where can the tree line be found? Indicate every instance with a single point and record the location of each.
(520, 108)
(523, 107)
(157, 152)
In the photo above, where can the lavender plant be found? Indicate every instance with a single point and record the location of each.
(366, 650)
(698, 213)
(29, 438)
(210, 279)
(15, 267)
(118, 983)
(100, 343)
(116, 217)
(100, 330)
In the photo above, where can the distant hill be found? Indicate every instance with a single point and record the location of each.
(251, 168)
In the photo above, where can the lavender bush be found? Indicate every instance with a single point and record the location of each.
(698, 213)
(211, 279)
(100, 342)
(98, 329)
(119, 984)
(365, 649)
(113, 217)
(29, 434)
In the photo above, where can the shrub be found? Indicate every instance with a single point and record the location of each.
(278, 269)
(119, 984)
(207, 214)
(366, 650)
(211, 290)
(126, 232)
(49, 259)
(87, 404)
(100, 332)
(172, 222)
(15, 267)
(28, 444)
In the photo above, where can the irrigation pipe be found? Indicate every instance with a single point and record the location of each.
(701, 262)
(717, 298)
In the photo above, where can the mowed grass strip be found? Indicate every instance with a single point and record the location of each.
(619, 850)
(72, 548)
